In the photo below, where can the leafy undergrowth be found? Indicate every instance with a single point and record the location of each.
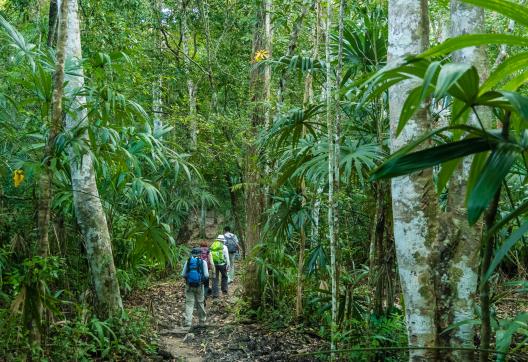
(84, 338)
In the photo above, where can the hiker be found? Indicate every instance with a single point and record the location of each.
(195, 274)
(233, 246)
(205, 254)
(221, 263)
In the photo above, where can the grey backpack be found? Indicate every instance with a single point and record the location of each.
(231, 243)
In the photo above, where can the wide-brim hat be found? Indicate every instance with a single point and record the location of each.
(221, 237)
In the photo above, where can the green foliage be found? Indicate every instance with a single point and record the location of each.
(83, 337)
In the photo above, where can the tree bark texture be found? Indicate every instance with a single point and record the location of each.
(381, 276)
(88, 208)
(260, 78)
(457, 245)
(414, 199)
(53, 23)
(330, 124)
(46, 192)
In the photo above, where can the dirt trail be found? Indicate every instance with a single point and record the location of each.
(225, 338)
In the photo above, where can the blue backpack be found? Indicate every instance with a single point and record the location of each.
(194, 275)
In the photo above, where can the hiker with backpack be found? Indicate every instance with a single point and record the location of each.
(221, 263)
(208, 257)
(233, 246)
(195, 274)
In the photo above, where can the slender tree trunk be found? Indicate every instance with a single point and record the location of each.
(330, 124)
(487, 254)
(46, 175)
(88, 208)
(255, 197)
(308, 99)
(485, 305)
(292, 45)
(300, 271)
(191, 86)
(381, 258)
(157, 86)
(414, 199)
(203, 215)
(157, 104)
(337, 145)
(52, 23)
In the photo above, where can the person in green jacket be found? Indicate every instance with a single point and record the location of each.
(221, 263)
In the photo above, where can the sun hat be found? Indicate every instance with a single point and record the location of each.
(221, 237)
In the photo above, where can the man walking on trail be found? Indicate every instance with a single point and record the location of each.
(221, 263)
(233, 246)
(195, 274)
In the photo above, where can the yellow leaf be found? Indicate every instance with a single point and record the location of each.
(18, 177)
(261, 55)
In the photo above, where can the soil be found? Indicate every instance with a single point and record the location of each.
(226, 337)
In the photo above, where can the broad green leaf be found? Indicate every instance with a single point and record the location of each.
(466, 87)
(448, 76)
(518, 102)
(504, 335)
(474, 131)
(430, 74)
(516, 82)
(460, 112)
(479, 160)
(489, 181)
(516, 12)
(412, 103)
(445, 173)
(504, 70)
(431, 157)
(504, 249)
(469, 40)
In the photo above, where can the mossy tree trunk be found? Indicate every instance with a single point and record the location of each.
(414, 199)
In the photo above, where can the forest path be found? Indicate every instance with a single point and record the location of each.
(227, 336)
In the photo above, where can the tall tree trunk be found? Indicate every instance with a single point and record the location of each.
(191, 86)
(260, 94)
(308, 100)
(204, 8)
(458, 243)
(46, 175)
(292, 45)
(88, 208)
(330, 124)
(414, 199)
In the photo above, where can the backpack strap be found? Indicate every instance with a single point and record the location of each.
(189, 264)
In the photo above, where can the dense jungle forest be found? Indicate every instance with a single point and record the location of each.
(352, 175)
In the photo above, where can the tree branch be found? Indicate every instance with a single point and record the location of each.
(178, 51)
